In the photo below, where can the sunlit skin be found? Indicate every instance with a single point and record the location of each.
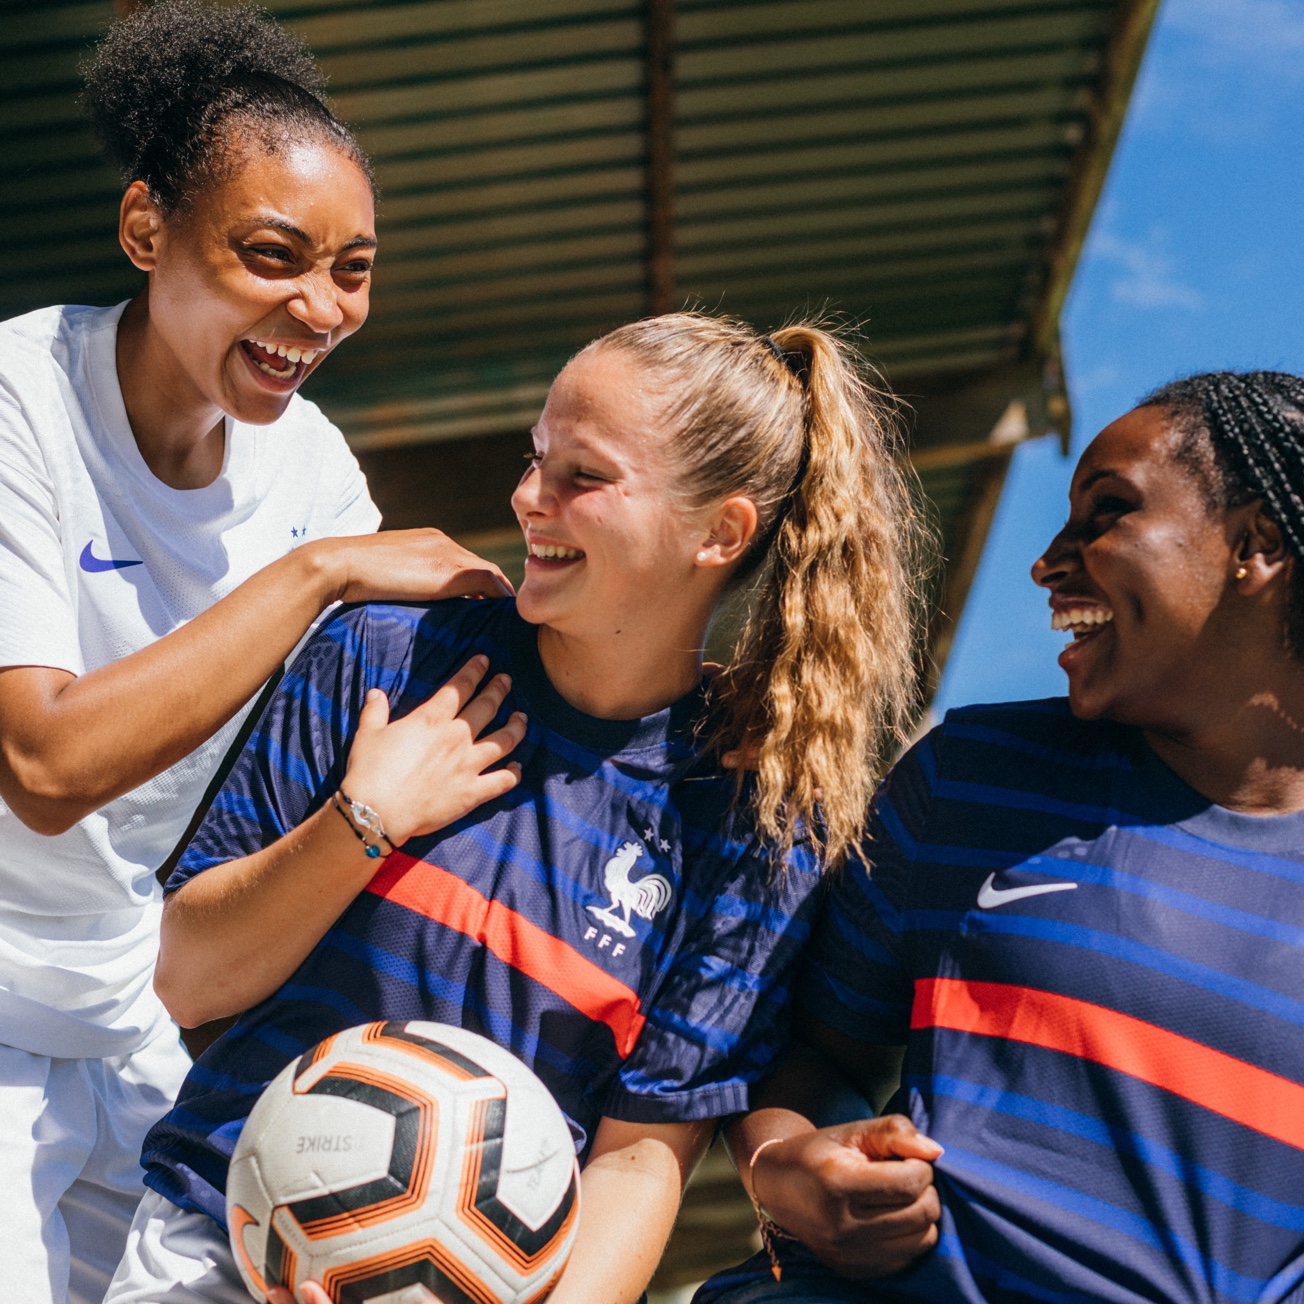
(623, 623)
(279, 252)
(1180, 644)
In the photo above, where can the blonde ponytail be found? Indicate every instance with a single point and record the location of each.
(822, 682)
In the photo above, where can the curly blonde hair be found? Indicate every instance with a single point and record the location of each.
(823, 680)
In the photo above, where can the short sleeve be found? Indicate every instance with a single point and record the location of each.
(294, 758)
(856, 978)
(719, 1019)
(344, 501)
(38, 625)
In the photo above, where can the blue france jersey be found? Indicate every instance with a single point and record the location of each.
(1099, 979)
(608, 920)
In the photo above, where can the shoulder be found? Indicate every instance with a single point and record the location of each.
(52, 331)
(725, 858)
(459, 626)
(1025, 738)
(395, 634)
(41, 328)
(44, 366)
(31, 345)
(38, 386)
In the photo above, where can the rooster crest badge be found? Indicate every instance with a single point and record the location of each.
(644, 897)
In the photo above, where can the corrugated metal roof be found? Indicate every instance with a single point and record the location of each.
(903, 162)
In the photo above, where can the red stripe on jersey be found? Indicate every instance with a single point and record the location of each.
(435, 893)
(1228, 1086)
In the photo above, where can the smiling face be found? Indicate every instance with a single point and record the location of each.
(258, 279)
(612, 549)
(1142, 577)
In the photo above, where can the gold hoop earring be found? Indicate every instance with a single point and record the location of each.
(1242, 572)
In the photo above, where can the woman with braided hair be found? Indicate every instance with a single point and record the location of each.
(1082, 925)
(173, 518)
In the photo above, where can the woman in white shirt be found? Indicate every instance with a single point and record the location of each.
(173, 519)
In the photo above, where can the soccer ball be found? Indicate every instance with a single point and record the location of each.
(405, 1163)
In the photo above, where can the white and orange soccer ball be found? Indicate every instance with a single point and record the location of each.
(405, 1162)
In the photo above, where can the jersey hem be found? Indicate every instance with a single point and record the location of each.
(718, 1101)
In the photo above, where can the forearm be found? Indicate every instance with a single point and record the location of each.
(629, 1196)
(98, 735)
(236, 932)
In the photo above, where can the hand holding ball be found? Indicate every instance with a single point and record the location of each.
(400, 1156)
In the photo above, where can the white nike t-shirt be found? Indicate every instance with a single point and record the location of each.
(98, 558)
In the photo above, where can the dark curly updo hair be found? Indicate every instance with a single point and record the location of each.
(1243, 438)
(176, 91)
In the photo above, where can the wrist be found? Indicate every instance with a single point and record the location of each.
(365, 823)
(761, 1157)
(322, 570)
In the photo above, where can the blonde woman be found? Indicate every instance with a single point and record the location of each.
(615, 911)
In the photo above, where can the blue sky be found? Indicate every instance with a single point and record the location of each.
(1195, 262)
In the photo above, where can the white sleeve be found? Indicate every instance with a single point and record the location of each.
(38, 625)
(344, 503)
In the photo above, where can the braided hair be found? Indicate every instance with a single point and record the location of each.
(174, 91)
(1243, 438)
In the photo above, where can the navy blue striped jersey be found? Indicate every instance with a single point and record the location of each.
(608, 920)
(1099, 979)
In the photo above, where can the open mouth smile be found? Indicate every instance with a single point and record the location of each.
(1086, 621)
(1081, 622)
(551, 556)
(287, 363)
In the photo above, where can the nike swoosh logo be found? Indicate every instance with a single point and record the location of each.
(90, 562)
(990, 896)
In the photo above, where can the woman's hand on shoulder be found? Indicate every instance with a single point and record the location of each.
(405, 566)
(860, 1194)
(431, 767)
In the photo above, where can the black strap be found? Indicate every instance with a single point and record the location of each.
(221, 774)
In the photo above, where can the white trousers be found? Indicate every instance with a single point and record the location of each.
(70, 1175)
(175, 1257)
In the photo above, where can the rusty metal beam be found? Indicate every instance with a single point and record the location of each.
(659, 25)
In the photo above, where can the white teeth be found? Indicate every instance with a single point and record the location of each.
(1080, 618)
(552, 550)
(271, 371)
(290, 353)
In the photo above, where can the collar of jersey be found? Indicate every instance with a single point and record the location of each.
(607, 737)
(1172, 801)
